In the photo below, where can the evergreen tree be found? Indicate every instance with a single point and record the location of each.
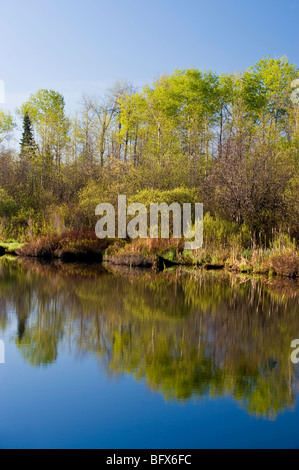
(28, 145)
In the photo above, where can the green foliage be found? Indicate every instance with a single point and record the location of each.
(219, 232)
(267, 87)
(8, 207)
(229, 141)
(180, 195)
(46, 109)
(7, 125)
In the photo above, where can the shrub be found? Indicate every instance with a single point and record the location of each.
(8, 206)
(180, 195)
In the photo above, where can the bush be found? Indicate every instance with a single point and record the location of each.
(220, 233)
(8, 206)
(180, 195)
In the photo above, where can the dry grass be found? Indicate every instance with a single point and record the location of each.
(284, 264)
(148, 246)
(72, 244)
(283, 260)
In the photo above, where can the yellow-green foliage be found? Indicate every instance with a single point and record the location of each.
(180, 195)
(218, 232)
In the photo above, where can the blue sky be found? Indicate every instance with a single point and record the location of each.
(74, 46)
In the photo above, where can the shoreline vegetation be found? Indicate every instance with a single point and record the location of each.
(281, 258)
(228, 141)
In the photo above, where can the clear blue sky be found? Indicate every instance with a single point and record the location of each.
(74, 46)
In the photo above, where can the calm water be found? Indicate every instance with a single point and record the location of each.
(132, 359)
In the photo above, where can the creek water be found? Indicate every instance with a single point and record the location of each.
(97, 357)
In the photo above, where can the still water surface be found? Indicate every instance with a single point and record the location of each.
(102, 358)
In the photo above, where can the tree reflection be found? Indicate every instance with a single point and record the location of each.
(188, 335)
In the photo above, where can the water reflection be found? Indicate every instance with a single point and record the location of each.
(188, 334)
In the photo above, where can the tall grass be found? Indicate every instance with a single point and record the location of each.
(225, 244)
(75, 243)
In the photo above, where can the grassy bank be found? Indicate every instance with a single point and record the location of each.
(276, 260)
(10, 247)
(67, 246)
(221, 249)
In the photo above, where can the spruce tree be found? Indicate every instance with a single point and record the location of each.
(28, 145)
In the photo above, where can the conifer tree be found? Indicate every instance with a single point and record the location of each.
(28, 145)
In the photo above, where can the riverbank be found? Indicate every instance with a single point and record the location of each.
(280, 259)
(271, 262)
(10, 247)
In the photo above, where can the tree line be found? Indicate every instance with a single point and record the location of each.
(231, 140)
